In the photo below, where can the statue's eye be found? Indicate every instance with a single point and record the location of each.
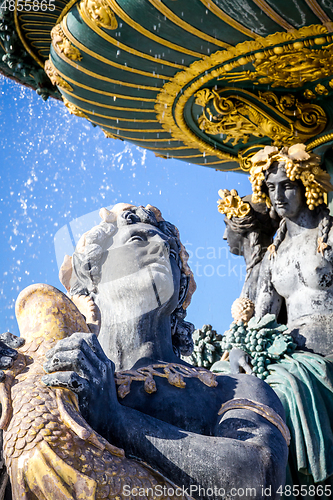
(174, 255)
(136, 237)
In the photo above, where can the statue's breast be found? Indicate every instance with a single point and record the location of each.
(298, 265)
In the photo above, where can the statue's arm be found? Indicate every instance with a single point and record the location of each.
(245, 453)
(246, 450)
(268, 301)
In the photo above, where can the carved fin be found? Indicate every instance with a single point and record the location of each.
(69, 413)
(6, 404)
(89, 310)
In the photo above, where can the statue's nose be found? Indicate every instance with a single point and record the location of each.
(159, 247)
(279, 193)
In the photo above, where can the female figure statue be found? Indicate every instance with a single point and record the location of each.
(297, 269)
(165, 412)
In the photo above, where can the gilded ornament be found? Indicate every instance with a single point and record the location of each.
(320, 140)
(109, 135)
(307, 119)
(100, 13)
(321, 89)
(299, 165)
(173, 372)
(54, 76)
(231, 204)
(233, 120)
(308, 94)
(50, 451)
(203, 97)
(292, 67)
(238, 118)
(63, 45)
(297, 62)
(73, 109)
(260, 408)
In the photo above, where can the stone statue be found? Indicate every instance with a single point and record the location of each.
(211, 436)
(296, 272)
(298, 267)
(249, 232)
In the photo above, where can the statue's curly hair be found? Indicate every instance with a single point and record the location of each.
(89, 255)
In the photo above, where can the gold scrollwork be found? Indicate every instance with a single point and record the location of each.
(293, 67)
(54, 76)
(73, 109)
(239, 118)
(61, 42)
(100, 13)
(308, 119)
(171, 101)
(233, 119)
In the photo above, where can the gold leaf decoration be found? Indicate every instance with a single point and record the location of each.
(292, 68)
(108, 135)
(173, 372)
(238, 117)
(54, 76)
(73, 109)
(61, 42)
(231, 204)
(321, 89)
(285, 59)
(299, 165)
(100, 13)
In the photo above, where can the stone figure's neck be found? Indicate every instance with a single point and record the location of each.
(303, 221)
(138, 342)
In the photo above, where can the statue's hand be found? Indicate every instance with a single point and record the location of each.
(8, 354)
(80, 364)
(239, 361)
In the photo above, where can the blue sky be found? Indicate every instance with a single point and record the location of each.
(57, 170)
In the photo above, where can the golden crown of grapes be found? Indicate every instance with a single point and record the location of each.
(298, 164)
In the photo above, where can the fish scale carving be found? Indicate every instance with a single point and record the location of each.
(51, 453)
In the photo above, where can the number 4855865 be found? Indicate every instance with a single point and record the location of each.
(27, 5)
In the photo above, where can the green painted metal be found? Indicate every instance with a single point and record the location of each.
(122, 70)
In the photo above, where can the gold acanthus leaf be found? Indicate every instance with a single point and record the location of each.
(61, 42)
(109, 135)
(54, 76)
(73, 109)
(100, 13)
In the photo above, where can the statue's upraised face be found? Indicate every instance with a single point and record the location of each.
(140, 272)
(287, 196)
